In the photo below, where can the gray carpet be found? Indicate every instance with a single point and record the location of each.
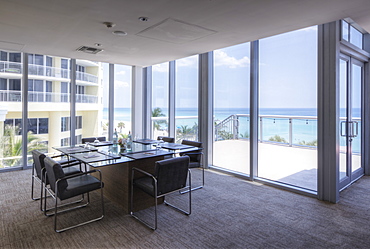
(227, 213)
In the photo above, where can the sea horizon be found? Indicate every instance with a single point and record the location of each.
(124, 114)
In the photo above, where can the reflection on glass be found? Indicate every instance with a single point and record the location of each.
(356, 116)
(345, 30)
(356, 37)
(187, 99)
(343, 67)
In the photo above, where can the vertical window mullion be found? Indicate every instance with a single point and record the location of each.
(171, 100)
(24, 108)
(73, 103)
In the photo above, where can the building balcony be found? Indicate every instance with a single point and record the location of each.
(14, 70)
(16, 96)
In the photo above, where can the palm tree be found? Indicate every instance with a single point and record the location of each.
(12, 145)
(157, 112)
(121, 125)
(184, 131)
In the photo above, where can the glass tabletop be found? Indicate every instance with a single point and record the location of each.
(174, 146)
(138, 147)
(148, 154)
(89, 157)
(71, 149)
(111, 162)
(146, 141)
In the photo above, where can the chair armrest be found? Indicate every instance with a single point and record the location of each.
(192, 153)
(80, 174)
(60, 155)
(141, 171)
(69, 164)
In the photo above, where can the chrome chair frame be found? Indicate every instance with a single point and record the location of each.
(54, 195)
(200, 164)
(41, 181)
(156, 198)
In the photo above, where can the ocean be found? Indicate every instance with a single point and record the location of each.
(304, 131)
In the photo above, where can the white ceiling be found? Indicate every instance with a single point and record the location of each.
(176, 28)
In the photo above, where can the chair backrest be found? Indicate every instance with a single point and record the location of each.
(166, 139)
(192, 143)
(54, 172)
(196, 157)
(92, 139)
(38, 160)
(171, 174)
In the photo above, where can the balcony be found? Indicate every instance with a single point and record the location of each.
(45, 71)
(16, 96)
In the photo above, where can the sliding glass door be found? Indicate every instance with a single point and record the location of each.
(350, 137)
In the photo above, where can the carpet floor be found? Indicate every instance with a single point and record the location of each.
(227, 213)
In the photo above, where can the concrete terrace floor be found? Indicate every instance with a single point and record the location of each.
(293, 165)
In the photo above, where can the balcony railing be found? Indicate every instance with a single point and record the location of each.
(39, 70)
(16, 96)
(279, 129)
(288, 130)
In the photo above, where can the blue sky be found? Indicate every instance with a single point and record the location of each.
(288, 75)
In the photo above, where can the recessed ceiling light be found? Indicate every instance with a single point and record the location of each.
(119, 33)
(98, 44)
(109, 24)
(143, 18)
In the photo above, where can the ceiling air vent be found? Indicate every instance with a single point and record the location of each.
(89, 50)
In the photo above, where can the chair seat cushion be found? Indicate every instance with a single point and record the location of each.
(145, 184)
(79, 185)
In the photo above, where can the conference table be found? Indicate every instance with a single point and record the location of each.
(116, 166)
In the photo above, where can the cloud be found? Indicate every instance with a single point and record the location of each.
(119, 83)
(162, 68)
(223, 59)
(122, 72)
(188, 61)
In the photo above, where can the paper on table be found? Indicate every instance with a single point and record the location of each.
(91, 156)
(71, 149)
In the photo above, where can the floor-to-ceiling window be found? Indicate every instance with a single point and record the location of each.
(11, 110)
(48, 102)
(287, 150)
(231, 108)
(90, 88)
(186, 112)
(160, 91)
(122, 100)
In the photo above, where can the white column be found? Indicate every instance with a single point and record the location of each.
(137, 102)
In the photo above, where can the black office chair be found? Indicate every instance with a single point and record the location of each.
(92, 139)
(170, 176)
(166, 139)
(195, 159)
(64, 187)
(38, 171)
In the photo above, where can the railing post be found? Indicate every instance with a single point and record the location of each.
(290, 132)
(234, 127)
(261, 130)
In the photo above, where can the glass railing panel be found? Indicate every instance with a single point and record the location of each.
(243, 124)
(10, 67)
(274, 129)
(86, 77)
(304, 132)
